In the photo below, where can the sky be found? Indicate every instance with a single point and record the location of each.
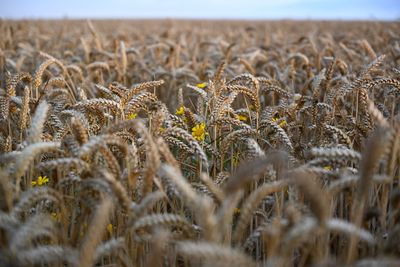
(204, 9)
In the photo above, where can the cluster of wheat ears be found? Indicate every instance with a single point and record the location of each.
(199, 143)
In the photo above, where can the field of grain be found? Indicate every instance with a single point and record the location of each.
(199, 143)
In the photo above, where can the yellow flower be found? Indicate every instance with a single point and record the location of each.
(110, 228)
(41, 180)
(242, 117)
(235, 159)
(201, 85)
(56, 216)
(199, 132)
(83, 230)
(180, 111)
(328, 168)
(281, 124)
(132, 116)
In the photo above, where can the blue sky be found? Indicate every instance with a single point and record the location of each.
(213, 9)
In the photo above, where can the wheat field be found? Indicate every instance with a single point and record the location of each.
(199, 143)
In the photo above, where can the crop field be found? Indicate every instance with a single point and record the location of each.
(199, 143)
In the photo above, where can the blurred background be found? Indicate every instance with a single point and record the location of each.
(205, 9)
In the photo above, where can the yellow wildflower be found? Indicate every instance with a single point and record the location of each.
(242, 117)
(110, 228)
(201, 85)
(328, 168)
(199, 132)
(56, 216)
(235, 159)
(180, 111)
(281, 124)
(132, 116)
(83, 229)
(41, 180)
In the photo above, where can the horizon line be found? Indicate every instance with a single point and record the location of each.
(372, 19)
